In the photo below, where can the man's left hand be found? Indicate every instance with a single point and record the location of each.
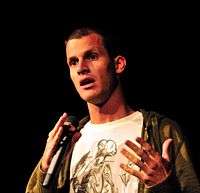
(154, 168)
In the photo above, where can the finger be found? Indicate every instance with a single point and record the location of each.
(57, 136)
(131, 171)
(143, 143)
(68, 126)
(165, 149)
(129, 156)
(147, 180)
(61, 120)
(52, 141)
(136, 161)
(146, 146)
(140, 152)
(59, 123)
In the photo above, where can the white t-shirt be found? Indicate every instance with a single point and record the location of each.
(95, 164)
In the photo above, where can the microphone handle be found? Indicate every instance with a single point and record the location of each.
(55, 161)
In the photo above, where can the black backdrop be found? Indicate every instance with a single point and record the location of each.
(162, 73)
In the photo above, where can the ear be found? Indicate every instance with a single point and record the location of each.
(120, 64)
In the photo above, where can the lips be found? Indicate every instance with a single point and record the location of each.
(86, 81)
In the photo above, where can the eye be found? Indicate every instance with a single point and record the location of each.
(91, 56)
(73, 61)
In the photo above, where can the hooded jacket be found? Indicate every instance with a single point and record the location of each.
(156, 129)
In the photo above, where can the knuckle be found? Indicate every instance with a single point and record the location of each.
(50, 133)
(144, 156)
(140, 152)
(153, 165)
(146, 178)
(149, 172)
(139, 163)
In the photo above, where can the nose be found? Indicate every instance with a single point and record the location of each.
(82, 68)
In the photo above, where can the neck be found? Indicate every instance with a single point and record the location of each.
(115, 108)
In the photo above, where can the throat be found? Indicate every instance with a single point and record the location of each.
(114, 108)
(108, 113)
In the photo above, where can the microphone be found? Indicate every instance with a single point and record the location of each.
(62, 149)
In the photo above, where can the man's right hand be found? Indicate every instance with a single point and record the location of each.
(52, 142)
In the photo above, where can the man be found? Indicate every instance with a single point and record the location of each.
(121, 149)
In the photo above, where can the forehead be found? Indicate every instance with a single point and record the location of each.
(81, 45)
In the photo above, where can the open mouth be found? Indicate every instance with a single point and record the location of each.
(86, 81)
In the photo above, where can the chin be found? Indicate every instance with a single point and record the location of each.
(89, 98)
(95, 97)
(97, 100)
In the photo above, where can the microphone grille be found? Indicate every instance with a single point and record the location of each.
(74, 121)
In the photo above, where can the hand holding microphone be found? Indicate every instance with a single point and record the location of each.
(57, 143)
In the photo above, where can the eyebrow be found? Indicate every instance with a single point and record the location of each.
(85, 53)
(73, 58)
(90, 51)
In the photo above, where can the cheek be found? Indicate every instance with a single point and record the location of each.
(73, 78)
(110, 80)
(105, 81)
(107, 76)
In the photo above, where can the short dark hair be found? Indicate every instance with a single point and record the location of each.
(112, 42)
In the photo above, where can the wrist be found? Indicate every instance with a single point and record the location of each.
(43, 166)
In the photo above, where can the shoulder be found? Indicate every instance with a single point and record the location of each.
(166, 126)
(160, 127)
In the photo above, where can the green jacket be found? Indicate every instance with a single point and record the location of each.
(156, 129)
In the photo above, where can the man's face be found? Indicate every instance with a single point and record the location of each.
(90, 68)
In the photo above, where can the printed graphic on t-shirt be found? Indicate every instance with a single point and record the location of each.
(93, 173)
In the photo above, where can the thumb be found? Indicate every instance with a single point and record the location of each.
(165, 149)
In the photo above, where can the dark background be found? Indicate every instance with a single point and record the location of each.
(162, 72)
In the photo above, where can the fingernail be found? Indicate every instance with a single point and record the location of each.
(138, 139)
(64, 114)
(128, 142)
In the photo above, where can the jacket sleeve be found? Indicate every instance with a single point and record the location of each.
(35, 182)
(186, 175)
(183, 178)
(60, 181)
